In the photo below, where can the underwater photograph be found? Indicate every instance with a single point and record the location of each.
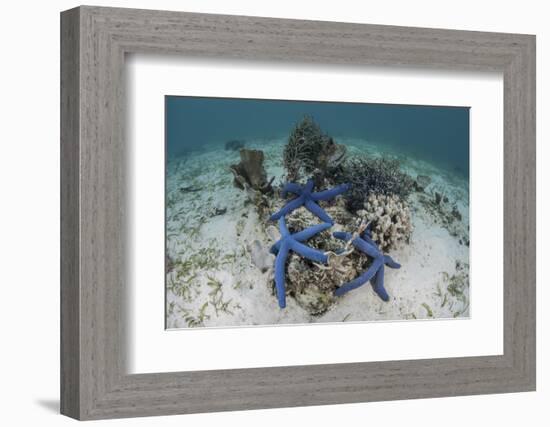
(286, 212)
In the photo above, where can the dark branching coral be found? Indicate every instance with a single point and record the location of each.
(304, 145)
(368, 175)
(310, 150)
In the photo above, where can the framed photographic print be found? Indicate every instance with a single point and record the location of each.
(261, 213)
(350, 213)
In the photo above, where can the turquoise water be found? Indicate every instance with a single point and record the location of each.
(439, 135)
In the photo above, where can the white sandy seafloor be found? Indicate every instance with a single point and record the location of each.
(214, 283)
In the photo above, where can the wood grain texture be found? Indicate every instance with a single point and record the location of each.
(70, 292)
(94, 382)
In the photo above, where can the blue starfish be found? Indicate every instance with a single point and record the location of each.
(375, 272)
(291, 242)
(308, 199)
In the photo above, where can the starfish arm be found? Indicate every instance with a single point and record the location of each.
(366, 247)
(342, 235)
(276, 247)
(309, 186)
(291, 187)
(283, 229)
(310, 231)
(359, 280)
(331, 193)
(390, 262)
(280, 263)
(378, 285)
(289, 207)
(367, 238)
(308, 252)
(315, 209)
(284, 233)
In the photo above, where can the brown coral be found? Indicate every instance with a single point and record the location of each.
(250, 171)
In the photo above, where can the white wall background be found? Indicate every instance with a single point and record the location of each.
(29, 211)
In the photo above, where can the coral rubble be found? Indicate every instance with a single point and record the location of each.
(457, 287)
(375, 273)
(311, 284)
(292, 242)
(421, 182)
(445, 213)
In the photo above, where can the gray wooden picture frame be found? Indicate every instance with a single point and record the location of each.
(94, 381)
